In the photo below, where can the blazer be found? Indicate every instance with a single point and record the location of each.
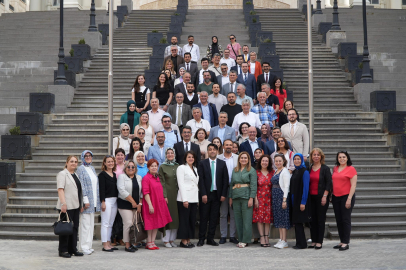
(155, 152)
(192, 68)
(180, 151)
(188, 184)
(325, 180)
(205, 180)
(251, 85)
(65, 181)
(195, 80)
(300, 140)
(270, 147)
(220, 81)
(235, 68)
(261, 80)
(227, 89)
(246, 60)
(125, 186)
(87, 189)
(186, 113)
(258, 69)
(229, 133)
(244, 177)
(245, 146)
(179, 61)
(179, 88)
(214, 116)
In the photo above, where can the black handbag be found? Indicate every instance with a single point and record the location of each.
(62, 227)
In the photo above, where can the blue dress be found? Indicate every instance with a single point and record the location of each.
(280, 215)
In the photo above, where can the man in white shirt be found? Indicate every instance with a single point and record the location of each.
(199, 77)
(223, 78)
(241, 95)
(216, 98)
(216, 65)
(192, 48)
(246, 116)
(174, 41)
(155, 114)
(197, 122)
(226, 59)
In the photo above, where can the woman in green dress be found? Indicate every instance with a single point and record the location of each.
(167, 175)
(243, 189)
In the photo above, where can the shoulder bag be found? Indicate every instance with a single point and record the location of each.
(137, 230)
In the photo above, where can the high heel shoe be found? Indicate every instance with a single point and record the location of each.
(320, 247)
(263, 245)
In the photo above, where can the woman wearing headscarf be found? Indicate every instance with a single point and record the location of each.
(144, 143)
(131, 117)
(90, 191)
(179, 80)
(214, 48)
(300, 199)
(169, 181)
(265, 133)
(139, 159)
(123, 140)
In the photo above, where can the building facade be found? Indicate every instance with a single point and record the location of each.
(13, 6)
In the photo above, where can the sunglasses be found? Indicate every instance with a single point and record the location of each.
(166, 121)
(86, 156)
(131, 167)
(232, 38)
(141, 133)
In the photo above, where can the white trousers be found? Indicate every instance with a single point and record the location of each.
(170, 235)
(86, 230)
(107, 219)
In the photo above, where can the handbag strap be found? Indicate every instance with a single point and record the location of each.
(66, 214)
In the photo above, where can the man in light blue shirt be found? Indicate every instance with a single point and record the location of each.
(171, 136)
(205, 105)
(241, 95)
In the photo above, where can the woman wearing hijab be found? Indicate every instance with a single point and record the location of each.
(300, 199)
(179, 80)
(90, 191)
(214, 48)
(265, 133)
(169, 181)
(139, 158)
(131, 117)
(123, 141)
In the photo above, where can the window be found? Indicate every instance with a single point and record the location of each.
(56, 2)
(404, 2)
(375, 2)
(11, 7)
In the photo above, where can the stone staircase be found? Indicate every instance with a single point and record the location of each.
(340, 124)
(31, 208)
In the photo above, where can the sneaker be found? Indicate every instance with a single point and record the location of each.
(173, 244)
(283, 245)
(168, 245)
(87, 251)
(92, 250)
(276, 245)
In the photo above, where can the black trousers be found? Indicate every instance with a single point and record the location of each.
(68, 243)
(343, 217)
(209, 213)
(318, 222)
(300, 236)
(187, 221)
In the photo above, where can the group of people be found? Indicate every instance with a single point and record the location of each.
(215, 142)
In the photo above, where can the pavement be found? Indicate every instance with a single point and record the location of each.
(363, 254)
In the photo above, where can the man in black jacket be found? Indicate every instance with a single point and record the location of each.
(186, 145)
(266, 76)
(213, 188)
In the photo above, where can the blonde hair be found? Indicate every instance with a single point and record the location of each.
(104, 167)
(69, 158)
(248, 167)
(322, 156)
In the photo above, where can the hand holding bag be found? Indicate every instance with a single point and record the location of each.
(63, 227)
(137, 230)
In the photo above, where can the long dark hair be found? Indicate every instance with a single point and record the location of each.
(167, 86)
(349, 162)
(131, 154)
(269, 168)
(136, 85)
(280, 88)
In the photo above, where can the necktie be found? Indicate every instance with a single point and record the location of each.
(246, 58)
(179, 116)
(292, 130)
(187, 67)
(186, 147)
(245, 78)
(212, 175)
(232, 90)
(240, 70)
(266, 79)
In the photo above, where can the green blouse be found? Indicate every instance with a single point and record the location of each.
(243, 177)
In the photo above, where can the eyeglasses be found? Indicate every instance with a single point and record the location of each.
(166, 121)
(141, 133)
(131, 167)
(87, 156)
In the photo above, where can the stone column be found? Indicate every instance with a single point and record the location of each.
(35, 5)
(395, 4)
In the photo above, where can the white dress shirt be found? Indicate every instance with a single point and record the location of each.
(193, 50)
(269, 75)
(230, 166)
(254, 145)
(294, 126)
(196, 125)
(251, 118)
(213, 180)
(188, 146)
(224, 80)
(252, 65)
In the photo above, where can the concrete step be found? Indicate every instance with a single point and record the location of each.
(23, 217)
(364, 217)
(30, 209)
(30, 235)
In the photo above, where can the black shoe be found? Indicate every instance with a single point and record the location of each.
(64, 255)
(311, 247)
(234, 240)
(143, 244)
(138, 245)
(78, 254)
(108, 250)
(320, 247)
(184, 246)
(255, 241)
(223, 240)
(212, 242)
(114, 248)
(337, 246)
(131, 249)
(344, 248)
(200, 243)
(296, 247)
(190, 244)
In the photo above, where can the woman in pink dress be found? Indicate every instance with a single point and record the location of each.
(155, 211)
(234, 47)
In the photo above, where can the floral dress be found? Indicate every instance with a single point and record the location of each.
(263, 214)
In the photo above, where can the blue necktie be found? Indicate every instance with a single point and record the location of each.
(240, 70)
(245, 78)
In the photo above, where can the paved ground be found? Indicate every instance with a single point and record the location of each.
(363, 254)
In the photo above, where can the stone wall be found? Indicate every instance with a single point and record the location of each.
(208, 4)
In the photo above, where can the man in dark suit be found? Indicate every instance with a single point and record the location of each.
(272, 145)
(213, 189)
(246, 53)
(252, 144)
(186, 145)
(198, 79)
(248, 80)
(188, 65)
(176, 59)
(240, 60)
(182, 87)
(180, 112)
(211, 114)
(266, 76)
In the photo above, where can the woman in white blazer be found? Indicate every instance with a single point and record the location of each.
(70, 202)
(188, 197)
(129, 199)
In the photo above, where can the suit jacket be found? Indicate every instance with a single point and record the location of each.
(235, 68)
(270, 147)
(258, 69)
(180, 151)
(261, 80)
(226, 89)
(179, 61)
(155, 152)
(196, 78)
(65, 181)
(179, 88)
(249, 58)
(229, 133)
(300, 140)
(251, 85)
(192, 68)
(205, 180)
(186, 113)
(214, 117)
(220, 81)
(245, 146)
(188, 184)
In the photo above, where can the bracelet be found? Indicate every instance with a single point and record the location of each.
(324, 195)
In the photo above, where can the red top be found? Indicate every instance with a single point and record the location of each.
(314, 181)
(280, 96)
(341, 180)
